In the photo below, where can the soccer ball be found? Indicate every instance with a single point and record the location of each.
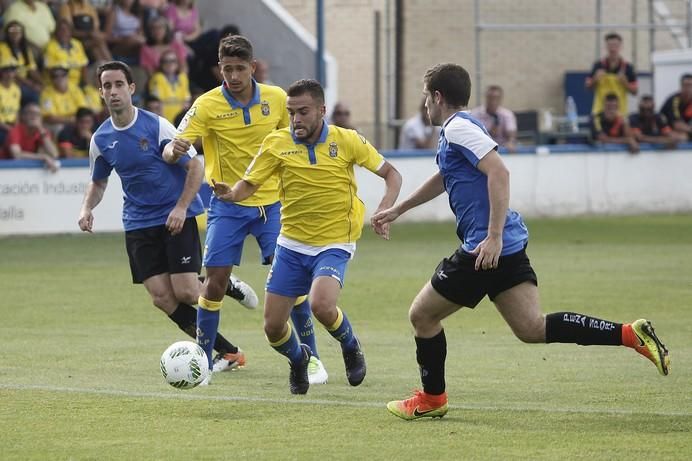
(184, 365)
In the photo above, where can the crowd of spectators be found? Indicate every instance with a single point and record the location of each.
(49, 50)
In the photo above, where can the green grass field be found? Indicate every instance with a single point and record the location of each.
(80, 379)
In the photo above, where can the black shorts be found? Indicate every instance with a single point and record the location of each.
(457, 279)
(154, 251)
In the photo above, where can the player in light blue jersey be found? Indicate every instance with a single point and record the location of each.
(491, 259)
(160, 199)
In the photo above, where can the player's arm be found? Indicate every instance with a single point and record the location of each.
(392, 187)
(92, 197)
(427, 191)
(191, 127)
(175, 149)
(193, 180)
(240, 191)
(488, 251)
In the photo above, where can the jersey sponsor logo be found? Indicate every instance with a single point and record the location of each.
(333, 149)
(227, 115)
(144, 144)
(289, 152)
(112, 145)
(265, 108)
(185, 260)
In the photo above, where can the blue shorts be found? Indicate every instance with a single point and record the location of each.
(292, 273)
(227, 226)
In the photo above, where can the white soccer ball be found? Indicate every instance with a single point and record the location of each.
(184, 365)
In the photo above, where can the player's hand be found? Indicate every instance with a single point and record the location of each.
(381, 219)
(222, 190)
(180, 148)
(176, 220)
(488, 253)
(86, 220)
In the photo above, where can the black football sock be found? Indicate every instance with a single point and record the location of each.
(431, 354)
(185, 316)
(568, 327)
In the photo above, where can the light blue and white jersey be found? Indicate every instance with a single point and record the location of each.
(464, 141)
(151, 187)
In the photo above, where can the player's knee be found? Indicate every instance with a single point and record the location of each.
(418, 317)
(322, 309)
(274, 330)
(164, 301)
(214, 287)
(532, 331)
(187, 295)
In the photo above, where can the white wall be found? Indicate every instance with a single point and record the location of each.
(34, 201)
(564, 184)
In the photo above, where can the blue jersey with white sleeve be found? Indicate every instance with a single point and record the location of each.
(151, 187)
(464, 141)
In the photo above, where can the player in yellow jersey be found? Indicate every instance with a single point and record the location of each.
(321, 219)
(232, 121)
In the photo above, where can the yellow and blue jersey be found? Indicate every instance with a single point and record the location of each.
(232, 134)
(24, 65)
(317, 184)
(10, 98)
(54, 102)
(174, 95)
(72, 57)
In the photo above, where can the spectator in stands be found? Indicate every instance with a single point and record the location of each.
(29, 140)
(60, 99)
(86, 27)
(418, 132)
(37, 19)
(159, 39)
(184, 18)
(170, 85)
(10, 96)
(609, 127)
(678, 110)
(499, 121)
(650, 127)
(204, 70)
(152, 9)
(124, 31)
(612, 74)
(63, 50)
(102, 7)
(261, 74)
(154, 105)
(341, 116)
(74, 138)
(92, 97)
(15, 45)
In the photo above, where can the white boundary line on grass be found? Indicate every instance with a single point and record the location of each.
(185, 395)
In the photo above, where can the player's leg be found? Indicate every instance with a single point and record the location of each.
(515, 293)
(266, 230)
(454, 284)
(328, 271)
(185, 261)
(287, 279)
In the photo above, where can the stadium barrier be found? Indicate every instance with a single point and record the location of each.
(570, 181)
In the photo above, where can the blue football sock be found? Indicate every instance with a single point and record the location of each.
(289, 346)
(305, 328)
(207, 323)
(342, 331)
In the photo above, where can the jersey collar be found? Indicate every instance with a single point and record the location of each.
(322, 138)
(234, 103)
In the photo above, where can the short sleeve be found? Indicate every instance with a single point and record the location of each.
(194, 123)
(365, 154)
(98, 167)
(469, 139)
(167, 133)
(263, 165)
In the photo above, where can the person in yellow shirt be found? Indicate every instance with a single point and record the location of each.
(10, 96)
(15, 45)
(612, 74)
(233, 120)
(170, 85)
(60, 100)
(65, 50)
(321, 219)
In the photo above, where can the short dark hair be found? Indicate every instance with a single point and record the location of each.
(646, 97)
(685, 77)
(235, 46)
(452, 81)
(495, 88)
(84, 112)
(612, 97)
(115, 65)
(307, 85)
(613, 35)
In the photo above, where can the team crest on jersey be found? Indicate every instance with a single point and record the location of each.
(265, 108)
(143, 144)
(333, 149)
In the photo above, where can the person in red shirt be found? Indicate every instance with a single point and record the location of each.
(29, 139)
(609, 127)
